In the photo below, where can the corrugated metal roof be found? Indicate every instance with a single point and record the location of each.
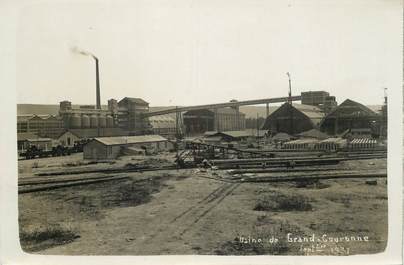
(122, 140)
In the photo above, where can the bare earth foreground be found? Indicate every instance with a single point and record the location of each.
(193, 212)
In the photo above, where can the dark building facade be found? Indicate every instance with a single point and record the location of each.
(130, 115)
(321, 99)
(293, 119)
(224, 119)
(350, 115)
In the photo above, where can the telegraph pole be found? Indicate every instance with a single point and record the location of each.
(290, 103)
(258, 133)
(290, 89)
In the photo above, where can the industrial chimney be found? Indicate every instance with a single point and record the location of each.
(97, 83)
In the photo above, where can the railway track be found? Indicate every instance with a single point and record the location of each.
(184, 222)
(43, 181)
(313, 175)
(37, 186)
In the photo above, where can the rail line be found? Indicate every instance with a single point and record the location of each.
(183, 222)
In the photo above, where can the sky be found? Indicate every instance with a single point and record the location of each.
(184, 52)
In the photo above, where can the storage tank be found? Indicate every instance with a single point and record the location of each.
(75, 121)
(94, 121)
(85, 121)
(110, 121)
(102, 121)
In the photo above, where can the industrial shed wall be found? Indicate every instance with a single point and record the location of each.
(351, 115)
(95, 150)
(288, 119)
(68, 139)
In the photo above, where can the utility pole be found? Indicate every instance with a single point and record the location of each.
(258, 133)
(290, 104)
(290, 89)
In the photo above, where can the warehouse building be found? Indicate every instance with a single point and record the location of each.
(222, 119)
(351, 116)
(107, 148)
(293, 119)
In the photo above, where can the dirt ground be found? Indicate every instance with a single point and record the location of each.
(193, 212)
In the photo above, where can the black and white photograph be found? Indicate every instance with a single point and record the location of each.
(207, 128)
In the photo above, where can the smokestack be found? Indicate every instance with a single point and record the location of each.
(97, 83)
(97, 74)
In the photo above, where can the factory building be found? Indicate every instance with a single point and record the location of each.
(41, 125)
(222, 119)
(85, 117)
(123, 117)
(106, 148)
(130, 115)
(293, 119)
(163, 125)
(320, 99)
(351, 116)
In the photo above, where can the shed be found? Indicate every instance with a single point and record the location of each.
(293, 119)
(22, 140)
(350, 115)
(106, 148)
(41, 143)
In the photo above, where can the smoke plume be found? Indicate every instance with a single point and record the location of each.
(76, 49)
